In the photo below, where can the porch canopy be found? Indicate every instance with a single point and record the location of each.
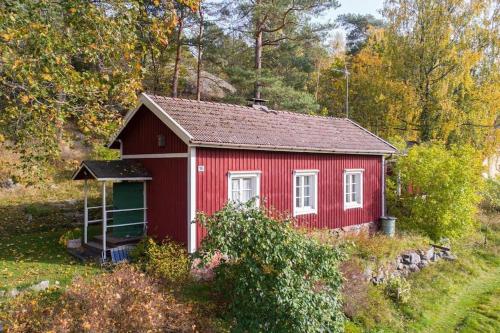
(116, 170)
(127, 215)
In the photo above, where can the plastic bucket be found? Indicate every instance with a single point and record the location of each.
(388, 225)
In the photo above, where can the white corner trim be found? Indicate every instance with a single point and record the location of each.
(191, 183)
(170, 155)
(303, 211)
(383, 208)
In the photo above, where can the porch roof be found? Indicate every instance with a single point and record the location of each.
(116, 170)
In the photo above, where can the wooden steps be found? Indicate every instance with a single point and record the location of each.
(117, 241)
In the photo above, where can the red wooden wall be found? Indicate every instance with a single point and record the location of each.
(141, 135)
(167, 198)
(167, 192)
(276, 183)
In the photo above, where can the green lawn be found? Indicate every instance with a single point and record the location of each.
(26, 259)
(31, 222)
(484, 316)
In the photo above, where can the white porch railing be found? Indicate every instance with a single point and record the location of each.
(105, 218)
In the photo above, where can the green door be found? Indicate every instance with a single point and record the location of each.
(128, 195)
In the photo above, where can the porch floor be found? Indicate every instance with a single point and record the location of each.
(92, 251)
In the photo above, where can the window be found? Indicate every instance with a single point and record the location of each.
(353, 188)
(244, 186)
(305, 192)
(161, 140)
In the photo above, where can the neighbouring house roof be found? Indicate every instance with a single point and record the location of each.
(116, 170)
(256, 127)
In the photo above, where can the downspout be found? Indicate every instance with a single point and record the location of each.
(383, 186)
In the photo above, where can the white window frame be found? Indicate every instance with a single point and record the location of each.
(244, 174)
(313, 209)
(359, 203)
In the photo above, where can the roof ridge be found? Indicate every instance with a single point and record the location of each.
(242, 106)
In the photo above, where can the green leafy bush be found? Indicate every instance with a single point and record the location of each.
(167, 260)
(398, 289)
(440, 190)
(491, 196)
(275, 279)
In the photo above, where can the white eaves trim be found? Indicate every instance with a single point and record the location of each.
(160, 113)
(291, 149)
(168, 155)
(82, 165)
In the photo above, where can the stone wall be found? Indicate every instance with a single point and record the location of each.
(409, 262)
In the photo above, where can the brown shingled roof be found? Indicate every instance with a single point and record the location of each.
(218, 124)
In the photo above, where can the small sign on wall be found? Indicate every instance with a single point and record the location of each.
(201, 168)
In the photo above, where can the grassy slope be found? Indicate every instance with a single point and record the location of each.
(31, 222)
(460, 296)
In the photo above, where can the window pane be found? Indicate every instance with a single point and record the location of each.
(307, 190)
(299, 180)
(297, 202)
(235, 184)
(247, 184)
(347, 197)
(307, 201)
(235, 195)
(307, 180)
(353, 187)
(246, 195)
(354, 197)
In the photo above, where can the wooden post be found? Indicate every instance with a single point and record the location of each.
(85, 213)
(104, 220)
(145, 206)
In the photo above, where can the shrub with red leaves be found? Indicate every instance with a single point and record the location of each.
(125, 300)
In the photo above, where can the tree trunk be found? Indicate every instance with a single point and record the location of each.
(200, 56)
(178, 56)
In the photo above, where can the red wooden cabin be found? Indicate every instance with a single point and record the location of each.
(326, 172)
